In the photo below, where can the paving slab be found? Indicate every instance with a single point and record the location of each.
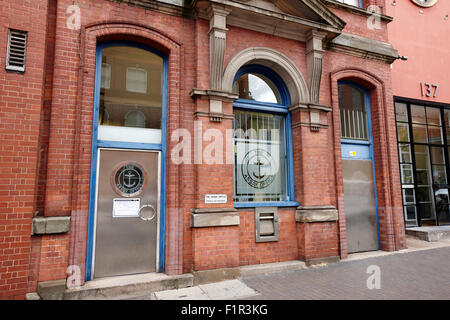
(192, 293)
(223, 290)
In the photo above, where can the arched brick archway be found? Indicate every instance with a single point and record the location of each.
(90, 35)
(274, 60)
(390, 211)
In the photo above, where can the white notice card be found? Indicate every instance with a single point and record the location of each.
(123, 207)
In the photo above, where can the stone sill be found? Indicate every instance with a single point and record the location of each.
(214, 217)
(50, 225)
(316, 214)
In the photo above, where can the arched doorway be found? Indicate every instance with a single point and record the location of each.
(358, 168)
(128, 161)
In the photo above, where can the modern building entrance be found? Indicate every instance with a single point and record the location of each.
(423, 133)
(127, 167)
(358, 169)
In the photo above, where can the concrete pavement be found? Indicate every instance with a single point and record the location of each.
(420, 272)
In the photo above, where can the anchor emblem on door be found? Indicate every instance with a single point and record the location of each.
(128, 179)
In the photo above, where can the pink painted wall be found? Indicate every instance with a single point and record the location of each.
(425, 39)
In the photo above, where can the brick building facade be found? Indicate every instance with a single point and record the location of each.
(51, 155)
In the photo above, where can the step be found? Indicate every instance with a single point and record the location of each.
(432, 233)
(123, 287)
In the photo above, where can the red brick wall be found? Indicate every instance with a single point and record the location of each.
(20, 108)
(317, 240)
(284, 249)
(54, 257)
(215, 247)
(358, 24)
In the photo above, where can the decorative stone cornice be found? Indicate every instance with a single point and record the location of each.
(362, 47)
(285, 19)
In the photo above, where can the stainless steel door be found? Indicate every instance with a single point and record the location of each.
(126, 243)
(360, 206)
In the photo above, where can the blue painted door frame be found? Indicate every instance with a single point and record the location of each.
(364, 149)
(96, 144)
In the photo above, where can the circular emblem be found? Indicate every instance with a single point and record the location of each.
(128, 179)
(258, 168)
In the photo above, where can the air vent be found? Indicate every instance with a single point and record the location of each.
(17, 46)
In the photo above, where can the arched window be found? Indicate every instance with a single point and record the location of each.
(262, 139)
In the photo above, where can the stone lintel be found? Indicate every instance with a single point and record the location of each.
(50, 225)
(316, 214)
(214, 217)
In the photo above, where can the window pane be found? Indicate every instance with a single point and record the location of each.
(408, 196)
(423, 170)
(407, 173)
(253, 86)
(447, 123)
(404, 153)
(434, 135)
(439, 175)
(419, 133)
(260, 157)
(437, 155)
(136, 80)
(410, 212)
(421, 155)
(424, 194)
(425, 210)
(353, 116)
(400, 112)
(418, 114)
(434, 116)
(410, 216)
(402, 132)
(134, 97)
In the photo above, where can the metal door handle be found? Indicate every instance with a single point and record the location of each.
(150, 206)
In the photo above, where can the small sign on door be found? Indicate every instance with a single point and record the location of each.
(123, 207)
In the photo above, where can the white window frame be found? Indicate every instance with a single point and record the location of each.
(129, 87)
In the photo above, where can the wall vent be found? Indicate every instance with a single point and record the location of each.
(16, 52)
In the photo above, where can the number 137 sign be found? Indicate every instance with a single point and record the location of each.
(428, 89)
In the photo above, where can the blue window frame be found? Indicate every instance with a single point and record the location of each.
(269, 112)
(96, 144)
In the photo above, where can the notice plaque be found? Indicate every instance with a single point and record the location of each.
(215, 198)
(126, 207)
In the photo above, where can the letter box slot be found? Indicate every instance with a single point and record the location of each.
(266, 224)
